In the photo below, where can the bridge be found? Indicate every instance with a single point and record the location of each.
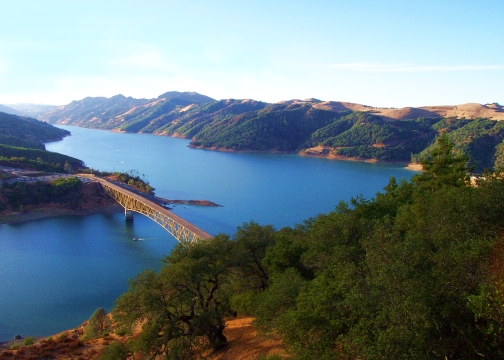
(180, 229)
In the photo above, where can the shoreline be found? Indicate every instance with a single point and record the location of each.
(405, 165)
(246, 151)
(49, 212)
(319, 155)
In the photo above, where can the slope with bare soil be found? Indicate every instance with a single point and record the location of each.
(244, 344)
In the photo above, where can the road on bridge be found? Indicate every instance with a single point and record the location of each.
(146, 200)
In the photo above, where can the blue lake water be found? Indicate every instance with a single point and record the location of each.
(55, 272)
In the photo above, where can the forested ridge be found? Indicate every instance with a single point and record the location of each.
(22, 145)
(414, 273)
(334, 129)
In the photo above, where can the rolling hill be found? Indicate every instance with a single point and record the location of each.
(22, 145)
(9, 110)
(311, 127)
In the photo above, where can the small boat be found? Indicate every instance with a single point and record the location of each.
(135, 239)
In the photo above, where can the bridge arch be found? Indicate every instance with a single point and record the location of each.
(180, 229)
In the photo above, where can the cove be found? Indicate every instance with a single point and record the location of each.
(56, 272)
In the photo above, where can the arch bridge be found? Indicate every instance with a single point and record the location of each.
(180, 229)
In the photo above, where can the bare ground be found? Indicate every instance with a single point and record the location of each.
(243, 344)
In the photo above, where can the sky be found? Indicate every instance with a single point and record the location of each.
(379, 53)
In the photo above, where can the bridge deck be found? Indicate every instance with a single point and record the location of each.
(156, 207)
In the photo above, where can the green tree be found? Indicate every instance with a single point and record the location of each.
(97, 324)
(182, 303)
(443, 168)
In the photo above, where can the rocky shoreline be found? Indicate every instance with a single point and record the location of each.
(327, 153)
(316, 152)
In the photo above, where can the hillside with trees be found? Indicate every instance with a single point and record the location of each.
(119, 111)
(414, 273)
(21, 145)
(310, 127)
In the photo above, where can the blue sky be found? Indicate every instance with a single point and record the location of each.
(379, 53)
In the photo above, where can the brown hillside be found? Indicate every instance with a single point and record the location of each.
(243, 344)
(469, 111)
(492, 111)
(406, 113)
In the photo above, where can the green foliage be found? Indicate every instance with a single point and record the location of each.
(251, 243)
(62, 190)
(18, 142)
(121, 332)
(279, 297)
(133, 178)
(181, 303)
(97, 324)
(277, 127)
(22, 131)
(442, 168)
(28, 341)
(479, 139)
(499, 157)
(37, 159)
(270, 357)
(115, 351)
(21, 145)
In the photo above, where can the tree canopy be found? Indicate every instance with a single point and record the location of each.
(414, 273)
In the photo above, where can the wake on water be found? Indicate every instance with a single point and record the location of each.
(145, 239)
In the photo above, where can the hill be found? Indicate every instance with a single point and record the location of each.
(119, 111)
(27, 132)
(32, 110)
(333, 129)
(22, 145)
(9, 110)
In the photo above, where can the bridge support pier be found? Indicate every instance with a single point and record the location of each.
(128, 215)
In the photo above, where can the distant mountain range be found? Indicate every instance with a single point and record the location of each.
(32, 110)
(310, 127)
(9, 110)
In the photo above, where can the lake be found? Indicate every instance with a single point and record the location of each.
(56, 272)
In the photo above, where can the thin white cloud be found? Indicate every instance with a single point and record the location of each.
(382, 68)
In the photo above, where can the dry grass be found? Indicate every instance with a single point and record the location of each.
(244, 344)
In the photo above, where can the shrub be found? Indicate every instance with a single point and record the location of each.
(28, 341)
(97, 324)
(270, 357)
(115, 351)
(121, 332)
